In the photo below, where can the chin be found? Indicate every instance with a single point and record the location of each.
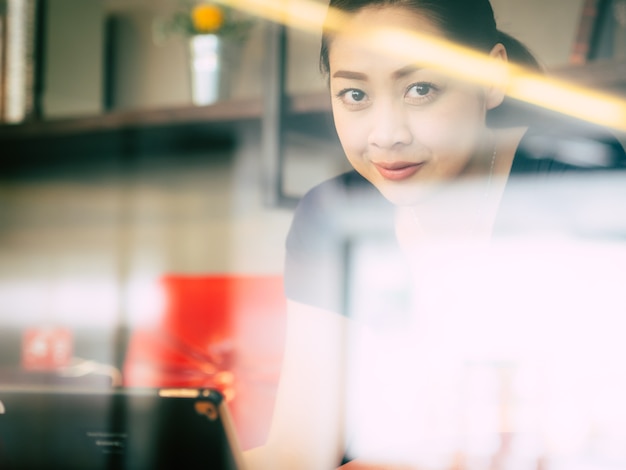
(406, 194)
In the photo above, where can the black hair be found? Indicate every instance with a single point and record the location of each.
(467, 22)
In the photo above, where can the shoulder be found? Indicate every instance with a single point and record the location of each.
(557, 145)
(325, 220)
(334, 208)
(346, 189)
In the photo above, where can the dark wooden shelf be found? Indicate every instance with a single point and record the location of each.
(136, 135)
(220, 114)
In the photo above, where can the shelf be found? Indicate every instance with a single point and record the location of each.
(220, 114)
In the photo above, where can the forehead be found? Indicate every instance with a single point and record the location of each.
(372, 35)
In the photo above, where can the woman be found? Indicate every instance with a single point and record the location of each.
(414, 134)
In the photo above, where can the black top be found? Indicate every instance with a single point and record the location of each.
(336, 211)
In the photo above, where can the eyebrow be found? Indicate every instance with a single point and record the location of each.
(350, 75)
(400, 73)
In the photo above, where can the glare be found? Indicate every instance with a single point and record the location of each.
(79, 302)
(555, 95)
(146, 301)
(568, 99)
(522, 338)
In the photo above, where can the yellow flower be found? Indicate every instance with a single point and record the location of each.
(207, 18)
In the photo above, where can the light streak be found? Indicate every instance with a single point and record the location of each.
(519, 83)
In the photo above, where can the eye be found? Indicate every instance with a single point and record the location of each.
(420, 92)
(353, 97)
(422, 89)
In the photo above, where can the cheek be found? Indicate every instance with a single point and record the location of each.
(451, 132)
(352, 134)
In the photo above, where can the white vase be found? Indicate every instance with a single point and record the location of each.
(206, 68)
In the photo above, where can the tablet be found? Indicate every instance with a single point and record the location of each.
(134, 429)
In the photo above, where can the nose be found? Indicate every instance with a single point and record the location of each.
(390, 126)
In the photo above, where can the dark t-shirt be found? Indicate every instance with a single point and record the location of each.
(333, 213)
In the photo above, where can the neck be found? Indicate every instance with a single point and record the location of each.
(467, 208)
(461, 210)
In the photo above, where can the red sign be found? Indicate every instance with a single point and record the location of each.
(46, 348)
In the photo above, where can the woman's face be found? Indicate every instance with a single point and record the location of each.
(405, 128)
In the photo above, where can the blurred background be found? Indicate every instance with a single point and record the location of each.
(122, 192)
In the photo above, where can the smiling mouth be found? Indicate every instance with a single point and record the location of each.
(398, 171)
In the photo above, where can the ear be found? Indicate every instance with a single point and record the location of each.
(495, 93)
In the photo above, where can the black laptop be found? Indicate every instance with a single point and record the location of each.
(134, 429)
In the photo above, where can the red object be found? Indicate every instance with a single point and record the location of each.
(220, 331)
(199, 311)
(46, 349)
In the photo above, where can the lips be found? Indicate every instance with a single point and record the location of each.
(398, 171)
